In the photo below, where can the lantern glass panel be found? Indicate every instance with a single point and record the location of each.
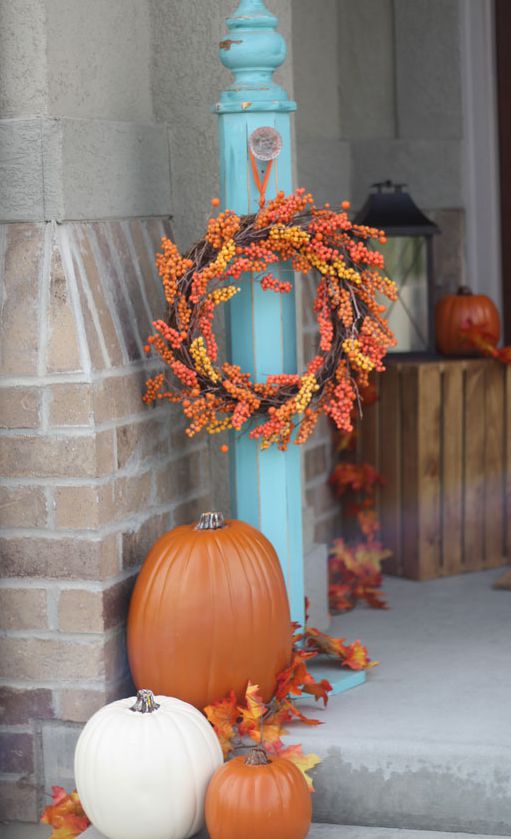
(406, 264)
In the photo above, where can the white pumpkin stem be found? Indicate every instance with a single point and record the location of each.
(210, 521)
(146, 703)
(257, 756)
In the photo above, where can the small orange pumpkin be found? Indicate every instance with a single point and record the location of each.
(457, 311)
(209, 612)
(257, 797)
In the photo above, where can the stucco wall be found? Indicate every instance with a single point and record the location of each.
(378, 82)
(184, 38)
(99, 59)
(23, 80)
(78, 138)
(365, 32)
(107, 106)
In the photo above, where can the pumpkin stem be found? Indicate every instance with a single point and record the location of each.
(210, 521)
(464, 290)
(257, 756)
(146, 703)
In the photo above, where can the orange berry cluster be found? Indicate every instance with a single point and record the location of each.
(353, 334)
(171, 267)
(271, 283)
(222, 228)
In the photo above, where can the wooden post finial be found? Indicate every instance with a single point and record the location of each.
(252, 51)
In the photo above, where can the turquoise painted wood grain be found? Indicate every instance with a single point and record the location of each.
(267, 485)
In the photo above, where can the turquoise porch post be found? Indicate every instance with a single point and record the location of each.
(266, 485)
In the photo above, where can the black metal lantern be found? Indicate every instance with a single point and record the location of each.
(409, 262)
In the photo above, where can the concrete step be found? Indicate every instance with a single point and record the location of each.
(425, 743)
(318, 831)
(335, 831)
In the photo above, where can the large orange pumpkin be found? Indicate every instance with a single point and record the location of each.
(209, 612)
(258, 798)
(456, 311)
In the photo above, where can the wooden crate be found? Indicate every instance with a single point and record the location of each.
(440, 434)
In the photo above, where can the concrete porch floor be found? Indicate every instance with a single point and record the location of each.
(426, 742)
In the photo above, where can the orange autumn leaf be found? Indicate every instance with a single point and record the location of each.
(357, 657)
(319, 690)
(65, 815)
(373, 598)
(362, 559)
(369, 394)
(290, 679)
(504, 355)
(346, 441)
(355, 574)
(339, 597)
(223, 715)
(369, 523)
(251, 716)
(71, 826)
(293, 711)
(272, 730)
(352, 655)
(267, 724)
(323, 643)
(304, 762)
(357, 477)
(296, 679)
(485, 342)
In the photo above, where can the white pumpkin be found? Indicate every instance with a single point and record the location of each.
(142, 767)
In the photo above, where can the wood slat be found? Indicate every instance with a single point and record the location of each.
(429, 470)
(504, 582)
(369, 439)
(368, 435)
(494, 474)
(507, 439)
(474, 461)
(389, 411)
(452, 468)
(409, 393)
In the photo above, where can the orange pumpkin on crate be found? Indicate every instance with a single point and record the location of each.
(257, 796)
(454, 312)
(209, 612)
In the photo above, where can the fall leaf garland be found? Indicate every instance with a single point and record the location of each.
(355, 564)
(354, 337)
(238, 725)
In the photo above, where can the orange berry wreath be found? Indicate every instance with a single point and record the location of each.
(354, 337)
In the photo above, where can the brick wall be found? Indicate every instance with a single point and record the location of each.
(319, 455)
(90, 478)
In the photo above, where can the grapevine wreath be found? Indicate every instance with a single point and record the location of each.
(354, 337)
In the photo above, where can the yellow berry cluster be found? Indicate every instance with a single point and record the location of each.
(201, 359)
